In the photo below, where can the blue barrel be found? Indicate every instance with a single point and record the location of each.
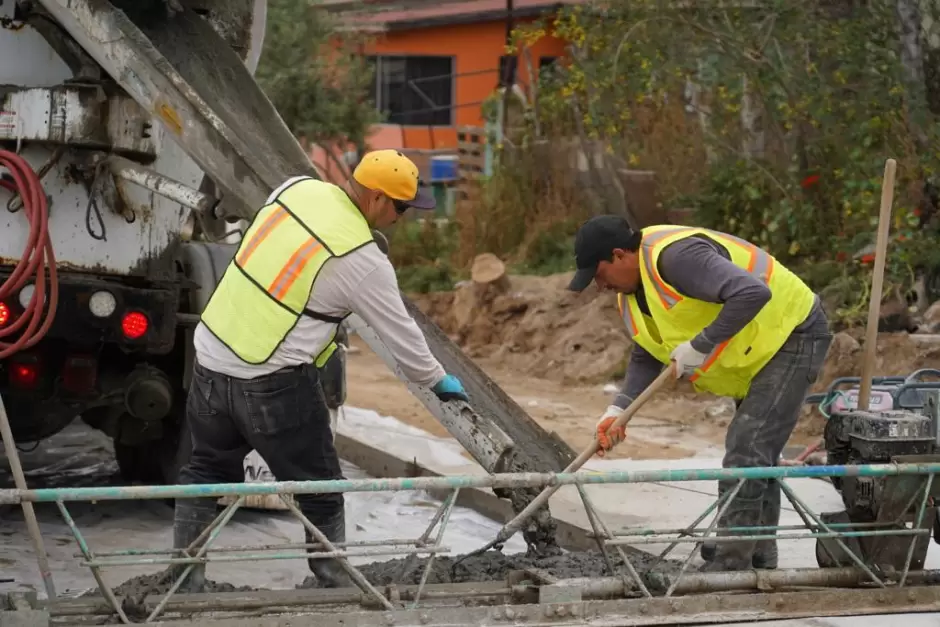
(444, 168)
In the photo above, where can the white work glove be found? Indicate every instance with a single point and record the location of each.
(687, 359)
(608, 438)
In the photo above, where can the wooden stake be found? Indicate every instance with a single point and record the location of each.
(877, 284)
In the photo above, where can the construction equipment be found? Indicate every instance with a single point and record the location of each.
(886, 419)
(900, 425)
(152, 136)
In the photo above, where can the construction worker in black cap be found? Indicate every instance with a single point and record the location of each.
(737, 323)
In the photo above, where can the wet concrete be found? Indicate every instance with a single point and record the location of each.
(490, 566)
(157, 583)
(495, 566)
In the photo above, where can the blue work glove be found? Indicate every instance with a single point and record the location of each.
(450, 389)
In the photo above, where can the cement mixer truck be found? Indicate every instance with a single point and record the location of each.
(134, 147)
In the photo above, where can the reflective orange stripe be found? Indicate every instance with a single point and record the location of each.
(292, 269)
(667, 296)
(277, 216)
(627, 315)
(710, 361)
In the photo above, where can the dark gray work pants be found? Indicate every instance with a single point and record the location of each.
(762, 424)
(284, 417)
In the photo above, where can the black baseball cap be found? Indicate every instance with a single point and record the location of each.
(595, 242)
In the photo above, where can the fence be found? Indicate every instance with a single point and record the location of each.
(908, 491)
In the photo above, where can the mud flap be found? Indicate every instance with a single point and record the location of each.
(257, 471)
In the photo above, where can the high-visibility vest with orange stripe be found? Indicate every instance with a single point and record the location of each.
(675, 318)
(265, 289)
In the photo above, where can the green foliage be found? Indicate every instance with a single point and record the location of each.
(550, 250)
(421, 253)
(526, 213)
(317, 81)
(773, 122)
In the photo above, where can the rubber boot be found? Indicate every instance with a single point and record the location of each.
(765, 553)
(329, 572)
(190, 518)
(737, 555)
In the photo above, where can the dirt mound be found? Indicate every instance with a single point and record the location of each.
(538, 328)
(535, 326)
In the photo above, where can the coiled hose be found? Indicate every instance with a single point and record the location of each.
(36, 258)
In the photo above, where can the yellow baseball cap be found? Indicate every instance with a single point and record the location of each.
(395, 175)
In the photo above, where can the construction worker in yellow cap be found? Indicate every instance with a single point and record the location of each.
(307, 261)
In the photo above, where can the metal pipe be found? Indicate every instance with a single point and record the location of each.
(259, 557)
(216, 529)
(423, 538)
(19, 480)
(138, 174)
(727, 499)
(503, 480)
(265, 547)
(704, 583)
(80, 539)
(449, 508)
(634, 533)
(917, 525)
(364, 584)
(800, 505)
(262, 599)
(770, 536)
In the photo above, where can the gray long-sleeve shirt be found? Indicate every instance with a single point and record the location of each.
(697, 267)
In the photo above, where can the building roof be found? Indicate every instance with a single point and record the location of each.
(426, 14)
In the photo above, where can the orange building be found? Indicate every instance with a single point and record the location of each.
(434, 66)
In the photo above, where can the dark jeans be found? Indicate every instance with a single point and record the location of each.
(762, 424)
(282, 415)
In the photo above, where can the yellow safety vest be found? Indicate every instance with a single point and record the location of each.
(675, 319)
(265, 289)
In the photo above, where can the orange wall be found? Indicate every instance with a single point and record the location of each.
(476, 48)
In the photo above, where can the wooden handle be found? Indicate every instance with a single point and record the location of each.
(626, 415)
(877, 283)
(515, 524)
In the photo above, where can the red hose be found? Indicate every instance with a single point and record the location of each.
(36, 257)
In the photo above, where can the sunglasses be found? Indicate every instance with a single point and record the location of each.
(400, 206)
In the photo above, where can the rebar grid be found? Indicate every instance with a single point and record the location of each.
(323, 549)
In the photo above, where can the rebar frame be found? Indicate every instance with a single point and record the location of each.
(322, 548)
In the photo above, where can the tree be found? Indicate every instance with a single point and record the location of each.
(317, 79)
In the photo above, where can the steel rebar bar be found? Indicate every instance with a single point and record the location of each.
(504, 480)
(32, 523)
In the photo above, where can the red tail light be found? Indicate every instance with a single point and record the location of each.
(5, 314)
(24, 372)
(134, 325)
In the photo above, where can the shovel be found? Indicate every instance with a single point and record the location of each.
(514, 525)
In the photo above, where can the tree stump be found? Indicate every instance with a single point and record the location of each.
(488, 279)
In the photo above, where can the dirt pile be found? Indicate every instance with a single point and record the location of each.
(535, 326)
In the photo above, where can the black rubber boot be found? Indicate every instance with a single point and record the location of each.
(189, 520)
(329, 572)
(736, 555)
(765, 553)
